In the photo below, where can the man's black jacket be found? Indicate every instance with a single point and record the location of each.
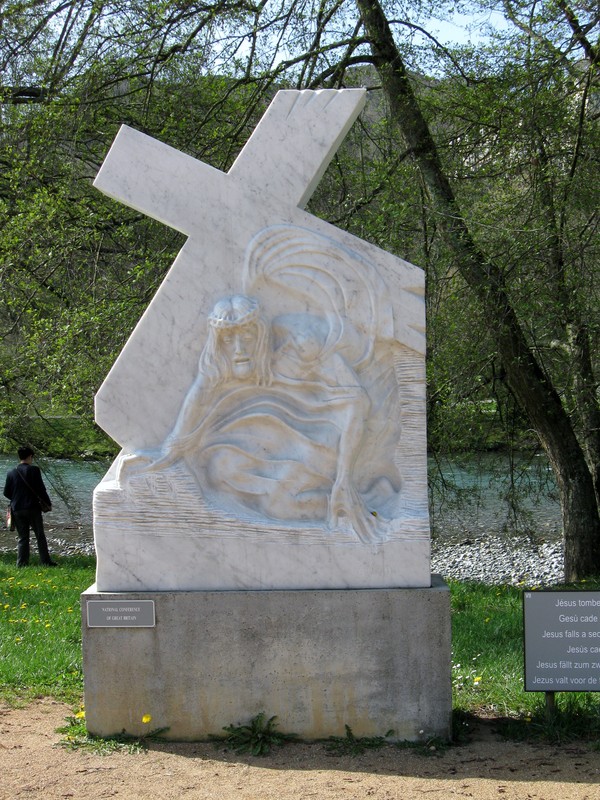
(21, 496)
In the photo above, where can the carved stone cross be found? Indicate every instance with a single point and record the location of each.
(270, 402)
(269, 184)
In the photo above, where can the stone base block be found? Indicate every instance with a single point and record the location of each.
(373, 659)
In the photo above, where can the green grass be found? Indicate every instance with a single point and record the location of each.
(40, 650)
(487, 644)
(40, 628)
(487, 668)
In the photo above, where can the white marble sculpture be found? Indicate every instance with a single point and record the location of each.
(271, 402)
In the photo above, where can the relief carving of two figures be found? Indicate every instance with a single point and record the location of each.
(293, 418)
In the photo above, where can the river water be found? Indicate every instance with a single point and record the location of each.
(493, 493)
(470, 497)
(70, 485)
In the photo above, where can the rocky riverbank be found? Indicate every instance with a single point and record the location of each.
(499, 560)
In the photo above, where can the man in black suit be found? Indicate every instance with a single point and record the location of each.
(25, 489)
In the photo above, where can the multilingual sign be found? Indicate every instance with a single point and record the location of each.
(562, 641)
(120, 614)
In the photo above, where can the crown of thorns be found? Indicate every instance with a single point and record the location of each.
(221, 321)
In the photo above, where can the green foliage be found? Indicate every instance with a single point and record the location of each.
(258, 737)
(71, 437)
(350, 745)
(515, 125)
(78, 270)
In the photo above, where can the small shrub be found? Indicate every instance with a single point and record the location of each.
(258, 737)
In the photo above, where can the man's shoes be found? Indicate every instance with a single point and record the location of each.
(50, 564)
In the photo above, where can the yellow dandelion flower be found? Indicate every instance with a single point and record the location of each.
(146, 719)
(80, 714)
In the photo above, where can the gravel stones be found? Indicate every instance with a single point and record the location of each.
(517, 561)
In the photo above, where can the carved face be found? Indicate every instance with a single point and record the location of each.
(307, 345)
(239, 346)
(302, 336)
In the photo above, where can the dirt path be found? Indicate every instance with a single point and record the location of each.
(33, 766)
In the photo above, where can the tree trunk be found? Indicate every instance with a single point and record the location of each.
(525, 377)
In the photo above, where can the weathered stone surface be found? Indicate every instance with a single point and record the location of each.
(373, 659)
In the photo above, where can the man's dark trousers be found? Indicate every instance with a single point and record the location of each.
(26, 520)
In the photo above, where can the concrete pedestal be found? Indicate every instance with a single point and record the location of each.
(373, 659)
